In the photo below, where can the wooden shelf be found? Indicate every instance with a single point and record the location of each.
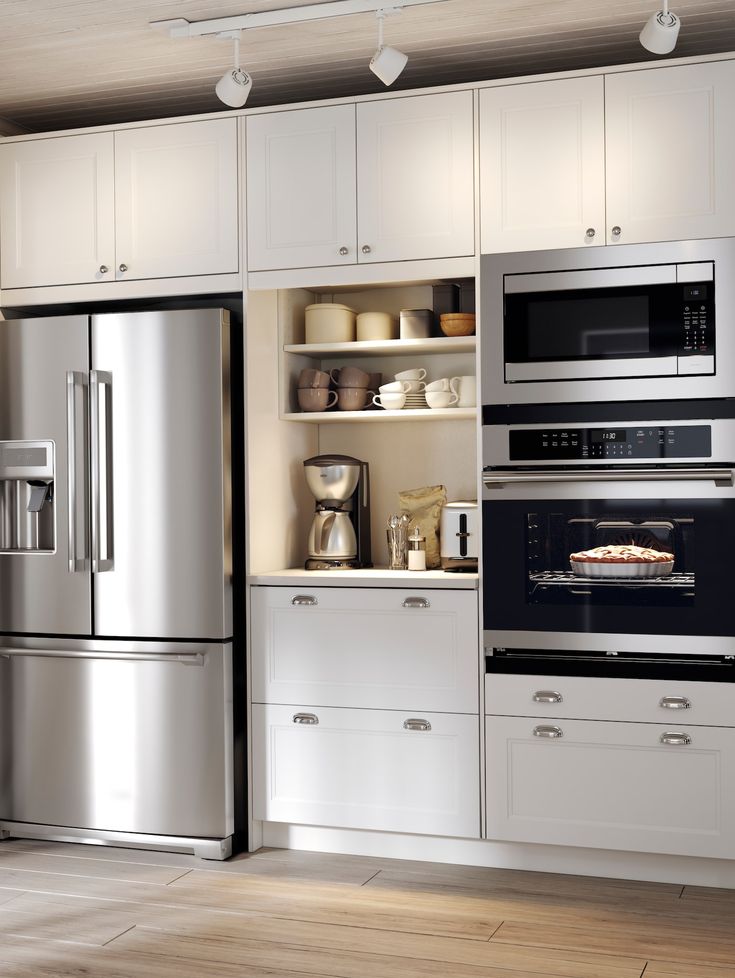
(407, 414)
(363, 348)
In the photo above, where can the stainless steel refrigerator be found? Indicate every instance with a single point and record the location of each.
(116, 621)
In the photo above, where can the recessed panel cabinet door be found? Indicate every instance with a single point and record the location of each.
(56, 211)
(542, 165)
(415, 185)
(670, 150)
(176, 200)
(301, 188)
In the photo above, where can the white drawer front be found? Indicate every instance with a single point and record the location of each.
(611, 786)
(363, 769)
(362, 647)
(638, 700)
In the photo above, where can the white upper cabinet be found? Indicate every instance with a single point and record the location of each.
(56, 211)
(301, 188)
(415, 178)
(542, 165)
(670, 149)
(176, 200)
(389, 180)
(158, 201)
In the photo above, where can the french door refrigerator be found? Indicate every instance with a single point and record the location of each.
(116, 618)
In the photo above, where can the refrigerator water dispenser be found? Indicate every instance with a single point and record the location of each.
(27, 507)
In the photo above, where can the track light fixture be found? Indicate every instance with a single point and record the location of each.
(660, 31)
(234, 86)
(387, 63)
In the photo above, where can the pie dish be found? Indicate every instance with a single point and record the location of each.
(622, 560)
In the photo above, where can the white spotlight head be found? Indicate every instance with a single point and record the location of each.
(387, 63)
(234, 87)
(660, 32)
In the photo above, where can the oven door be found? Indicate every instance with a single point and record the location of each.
(534, 520)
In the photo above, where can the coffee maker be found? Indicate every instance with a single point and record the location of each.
(339, 537)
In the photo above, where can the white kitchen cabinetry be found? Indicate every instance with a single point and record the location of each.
(670, 153)
(659, 781)
(365, 708)
(542, 165)
(153, 202)
(390, 180)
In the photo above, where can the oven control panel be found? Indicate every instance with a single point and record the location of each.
(649, 442)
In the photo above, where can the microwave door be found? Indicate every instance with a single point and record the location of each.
(44, 545)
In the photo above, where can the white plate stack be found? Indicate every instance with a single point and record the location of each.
(415, 401)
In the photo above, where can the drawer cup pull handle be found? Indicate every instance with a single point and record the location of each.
(416, 603)
(550, 732)
(309, 719)
(675, 702)
(675, 739)
(547, 696)
(414, 724)
(304, 599)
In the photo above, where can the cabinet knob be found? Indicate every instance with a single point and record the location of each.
(547, 696)
(123, 267)
(549, 732)
(304, 599)
(675, 738)
(104, 269)
(675, 702)
(616, 231)
(590, 232)
(414, 724)
(344, 251)
(366, 249)
(416, 603)
(308, 719)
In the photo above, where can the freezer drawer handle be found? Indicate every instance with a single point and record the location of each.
(304, 599)
(675, 702)
(416, 603)
(186, 659)
(675, 738)
(721, 477)
(550, 732)
(547, 696)
(101, 471)
(414, 724)
(74, 379)
(309, 719)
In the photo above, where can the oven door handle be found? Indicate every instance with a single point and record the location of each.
(721, 477)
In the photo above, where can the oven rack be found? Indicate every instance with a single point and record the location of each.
(568, 579)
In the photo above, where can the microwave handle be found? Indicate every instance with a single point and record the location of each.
(721, 477)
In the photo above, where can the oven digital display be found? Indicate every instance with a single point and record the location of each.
(614, 434)
(642, 442)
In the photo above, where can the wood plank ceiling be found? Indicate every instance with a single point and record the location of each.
(67, 63)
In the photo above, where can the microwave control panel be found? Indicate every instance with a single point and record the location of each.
(649, 442)
(697, 319)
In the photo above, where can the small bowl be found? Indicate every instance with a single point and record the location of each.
(457, 323)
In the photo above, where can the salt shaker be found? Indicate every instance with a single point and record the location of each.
(416, 551)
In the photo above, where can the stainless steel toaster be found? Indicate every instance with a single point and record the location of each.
(459, 536)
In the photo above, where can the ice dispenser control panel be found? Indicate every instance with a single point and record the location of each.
(648, 442)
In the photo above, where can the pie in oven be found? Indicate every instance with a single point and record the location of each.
(621, 554)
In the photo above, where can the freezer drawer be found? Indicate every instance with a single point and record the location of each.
(127, 737)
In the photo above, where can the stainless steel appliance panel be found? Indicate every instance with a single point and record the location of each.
(607, 379)
(131, 737)
(161, 472)
(43, 369)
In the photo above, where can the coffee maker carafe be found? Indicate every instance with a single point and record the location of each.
(340, 532)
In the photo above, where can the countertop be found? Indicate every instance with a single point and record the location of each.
(372, 577)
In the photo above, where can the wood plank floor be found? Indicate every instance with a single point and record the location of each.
(73, 910)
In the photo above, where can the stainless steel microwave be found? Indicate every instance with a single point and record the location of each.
(615, 323)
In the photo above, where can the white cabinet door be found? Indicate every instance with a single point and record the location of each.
(542, 165)
(415, 165)
(56, 211)
(365, 647)
(367, 769)
(301, 188)
(611, 786)
(176, 200)
(670, 152)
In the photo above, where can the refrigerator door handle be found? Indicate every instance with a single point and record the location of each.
(101, 480)
(180, 658)
(74, 379)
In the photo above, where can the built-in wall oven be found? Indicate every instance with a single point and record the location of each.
(623, 322)
(617, 480)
